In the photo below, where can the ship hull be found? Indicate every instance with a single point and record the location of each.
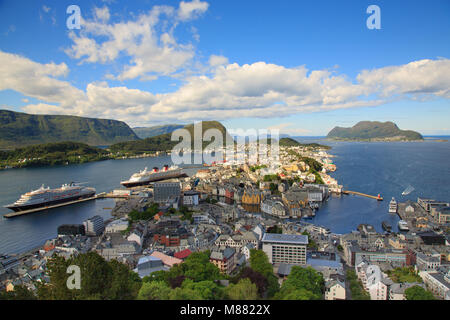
(129, 184)
(17, 208)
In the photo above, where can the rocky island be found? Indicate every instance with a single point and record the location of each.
(373, 131)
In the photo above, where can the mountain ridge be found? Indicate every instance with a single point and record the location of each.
(18, 129)
(374, 131)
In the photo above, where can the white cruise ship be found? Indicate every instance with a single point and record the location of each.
(45, 196)
(145, 177)
(393, 206)
(403, 225)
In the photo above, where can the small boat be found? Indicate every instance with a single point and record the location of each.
(403, 225)
(393, 206)
(408, 190)
(386, 226)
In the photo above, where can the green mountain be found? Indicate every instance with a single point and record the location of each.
(374, 131)
(19, 129)
(147, 132)
(289, 142)
(163, 142)
(51, 154)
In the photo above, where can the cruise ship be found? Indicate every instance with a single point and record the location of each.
(403, 225)
(145, 177)
(393, 206)
(44, 196)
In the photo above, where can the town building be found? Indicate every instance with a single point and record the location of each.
(94, 226)
(224, 258)
(335, 289)
(191, 198)
(285, 248)
(164, 191)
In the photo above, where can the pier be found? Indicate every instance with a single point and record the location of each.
(379, 198)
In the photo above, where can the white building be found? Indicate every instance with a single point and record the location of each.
(285, 248)
(94, 226)
(437, 282)
(117, 225)
(190, 198)
(334, 289)
(374, 281)
(397, 290)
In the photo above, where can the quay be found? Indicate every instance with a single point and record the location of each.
(98, 196)
(379, 198)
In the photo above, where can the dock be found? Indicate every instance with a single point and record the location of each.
(101, 195)
(24, 212)
(379, 198)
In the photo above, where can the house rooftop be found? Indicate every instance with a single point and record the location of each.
(285, 238)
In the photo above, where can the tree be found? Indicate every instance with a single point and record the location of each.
(255, 277)
(20, 293)
(243, 290)
(154, 290)
(100, 279)
(418, 293)
(198, 267)
(259, 262)
(207, 290)
(302, 282)
(184, 294)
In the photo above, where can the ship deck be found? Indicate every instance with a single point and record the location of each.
(24, 212)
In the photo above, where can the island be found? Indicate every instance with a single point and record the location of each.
(373, 131)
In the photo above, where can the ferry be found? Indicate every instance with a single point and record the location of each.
(386, 226)
(393, 206)
(44, 196)
(145, 177)
(403, 225)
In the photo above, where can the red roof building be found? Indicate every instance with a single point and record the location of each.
(182, 254)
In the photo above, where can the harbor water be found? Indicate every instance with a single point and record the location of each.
(371, 168)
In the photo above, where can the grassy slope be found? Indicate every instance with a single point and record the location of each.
(21, 129)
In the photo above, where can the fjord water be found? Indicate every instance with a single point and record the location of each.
(385, 168)
(376, 167)
(29, 231)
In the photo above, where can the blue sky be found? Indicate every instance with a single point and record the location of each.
(293, 65)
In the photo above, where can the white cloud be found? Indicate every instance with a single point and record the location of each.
(191, 10)
(232, 91)
(417, 78)
(37, 80)
(102, 14)
(148, 41)
(215, 61)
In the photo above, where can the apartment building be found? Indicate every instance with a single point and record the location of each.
(285, 248)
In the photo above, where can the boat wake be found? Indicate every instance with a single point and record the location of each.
(408, 190)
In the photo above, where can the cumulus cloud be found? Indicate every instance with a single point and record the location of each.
(191, 10)
(215, 61)
(37, 80)
(423, 77)
(260, 90)
(102, 14)
(148, 41)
